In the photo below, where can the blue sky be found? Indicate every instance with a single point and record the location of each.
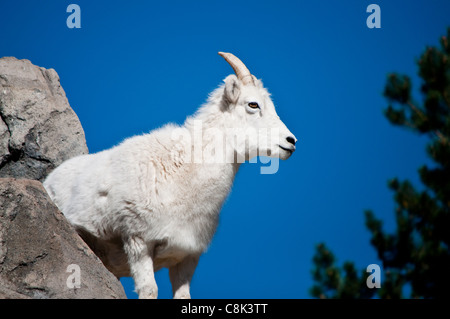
(136, 65)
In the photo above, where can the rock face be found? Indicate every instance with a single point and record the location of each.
(38, 128)
(41, 255)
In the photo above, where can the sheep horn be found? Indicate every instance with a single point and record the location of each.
(239, 68)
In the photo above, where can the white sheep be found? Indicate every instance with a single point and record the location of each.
(154, 200)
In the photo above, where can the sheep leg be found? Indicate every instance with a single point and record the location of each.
(141, 267)
(181, 275)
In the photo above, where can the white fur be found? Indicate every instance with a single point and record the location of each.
(146, 204)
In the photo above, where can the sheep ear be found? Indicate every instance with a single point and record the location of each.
(232, 89)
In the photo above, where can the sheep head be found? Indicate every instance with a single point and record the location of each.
(250, 106)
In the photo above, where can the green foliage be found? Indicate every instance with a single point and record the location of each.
(418, 253)
(332, 282)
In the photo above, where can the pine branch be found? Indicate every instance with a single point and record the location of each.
(436, 132)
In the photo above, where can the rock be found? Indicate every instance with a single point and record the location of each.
(38, 128)
(41, 254)
(37, 245)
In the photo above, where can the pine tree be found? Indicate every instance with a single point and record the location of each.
(417, 254)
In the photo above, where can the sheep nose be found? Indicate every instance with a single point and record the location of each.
(291, 140)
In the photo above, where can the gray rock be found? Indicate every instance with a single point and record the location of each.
(38, 128)
(37, 245)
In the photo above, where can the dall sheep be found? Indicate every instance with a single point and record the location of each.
(154, 200)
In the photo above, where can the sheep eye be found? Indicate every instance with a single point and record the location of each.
(253, 105)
